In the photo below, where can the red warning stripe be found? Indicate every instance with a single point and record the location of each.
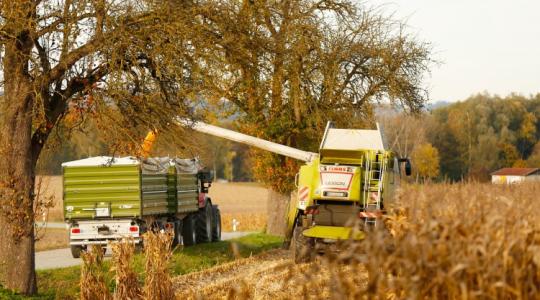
(303, 193)
(366, 214)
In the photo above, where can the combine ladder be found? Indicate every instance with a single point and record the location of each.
(372, 187)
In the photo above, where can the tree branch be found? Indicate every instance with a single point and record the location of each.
(43, 57)
(67, 62)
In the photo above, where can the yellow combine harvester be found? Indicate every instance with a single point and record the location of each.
(349, 182)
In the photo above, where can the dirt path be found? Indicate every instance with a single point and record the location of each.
(271, 275)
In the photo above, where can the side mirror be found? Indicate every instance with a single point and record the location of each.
(408, 168)
(206, 176)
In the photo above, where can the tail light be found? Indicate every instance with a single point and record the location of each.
(75, 230)
(312, 210)
(134, 229)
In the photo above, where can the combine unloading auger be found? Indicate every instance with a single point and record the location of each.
(249, 140)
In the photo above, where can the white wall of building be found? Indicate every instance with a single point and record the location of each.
(506, 179)
(510, 179)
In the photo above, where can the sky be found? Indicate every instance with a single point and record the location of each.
(481, 45)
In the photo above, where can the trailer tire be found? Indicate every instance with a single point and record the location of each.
(204, 224)
(76, 251)
(189, 235)
(302, 246)
(177, 238)
(216, 224)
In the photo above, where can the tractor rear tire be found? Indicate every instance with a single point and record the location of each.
(189, 235)
(216, 224)
(204, 224)
(303, 247)
(76, 251)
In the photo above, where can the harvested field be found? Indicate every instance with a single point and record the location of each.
(49, 188)
(239, 197)
(245, 221)
(271, 275)
(51, 238)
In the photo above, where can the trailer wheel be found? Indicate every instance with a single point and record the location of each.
(189, 235)
(204, 224)
(76, 251)
(216, 224)
(302, 247)
(177, 238)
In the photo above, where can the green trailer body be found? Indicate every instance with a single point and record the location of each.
(107, 199)
(187, 188)
(128, 188)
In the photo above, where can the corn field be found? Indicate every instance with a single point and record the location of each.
(446, 241)
(440, 241)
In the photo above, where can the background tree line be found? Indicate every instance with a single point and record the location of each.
(468, 139)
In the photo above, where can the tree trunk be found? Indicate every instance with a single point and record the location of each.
(17, 167)
(277, 213)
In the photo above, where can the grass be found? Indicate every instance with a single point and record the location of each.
(63, 283)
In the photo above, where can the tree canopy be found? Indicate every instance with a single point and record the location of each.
(290, 66)
(282, 68)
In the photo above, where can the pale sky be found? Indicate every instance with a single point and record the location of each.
(482, 45)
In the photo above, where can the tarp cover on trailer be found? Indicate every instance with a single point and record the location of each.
(184, 165)
(102, 161)
(156, 165)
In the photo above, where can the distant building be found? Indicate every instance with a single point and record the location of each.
(515, 175)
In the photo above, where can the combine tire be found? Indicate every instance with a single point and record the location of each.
(76, 251)
(302, 247)
(189, 235)
(216, 224)
(204, 224)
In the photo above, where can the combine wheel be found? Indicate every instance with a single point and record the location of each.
(216, 224)
(76, 251)
(302, 247)
(189, 235)
(204, 224)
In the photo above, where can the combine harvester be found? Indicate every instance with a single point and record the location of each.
(351, 180)
(107, 198)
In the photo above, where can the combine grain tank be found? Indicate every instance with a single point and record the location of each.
(108, 198)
